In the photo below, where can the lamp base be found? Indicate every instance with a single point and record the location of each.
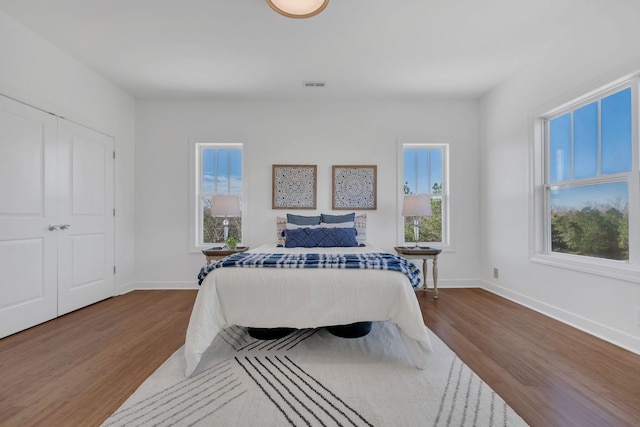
(225, 224)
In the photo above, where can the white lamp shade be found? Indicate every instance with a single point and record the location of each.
(298, 8)
(416, 205)
(225, 206)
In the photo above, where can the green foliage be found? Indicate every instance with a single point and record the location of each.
(601, 233)
(231, 242)
(406, 189)
(213, 230)
(429, 229)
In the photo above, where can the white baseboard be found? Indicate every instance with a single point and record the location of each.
(126, 288)
(137, 286)
(606, 333)
(456, 283)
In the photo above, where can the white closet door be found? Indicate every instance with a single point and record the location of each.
(85, 211)
(28, 249)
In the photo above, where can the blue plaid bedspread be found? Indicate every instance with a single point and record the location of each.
(371, 261)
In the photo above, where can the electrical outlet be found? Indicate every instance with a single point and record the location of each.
(496, 273)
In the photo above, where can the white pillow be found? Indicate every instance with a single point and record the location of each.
(361, 228)
(292, 226)
(337, 224)
(281, 224)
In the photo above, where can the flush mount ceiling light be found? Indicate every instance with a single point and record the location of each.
(298, 8)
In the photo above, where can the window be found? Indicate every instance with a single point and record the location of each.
(218, 172)
(589, 183)
(589, 165)
(424, 169)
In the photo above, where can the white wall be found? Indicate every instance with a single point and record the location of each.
(601, 49)
(37, 73)
(323, 133)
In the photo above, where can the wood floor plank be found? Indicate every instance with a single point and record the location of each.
(79, 368)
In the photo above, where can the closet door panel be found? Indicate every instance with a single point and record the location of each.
(28, 184)
(86, 251)
(21, 165)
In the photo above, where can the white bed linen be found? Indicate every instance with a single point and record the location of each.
(303, 298)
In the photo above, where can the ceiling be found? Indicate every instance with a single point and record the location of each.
(360, 48)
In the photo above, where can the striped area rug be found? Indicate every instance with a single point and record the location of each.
(312, 378)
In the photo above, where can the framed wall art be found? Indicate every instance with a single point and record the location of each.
(354, 187)
(294, 186)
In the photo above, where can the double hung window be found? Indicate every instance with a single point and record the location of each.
(589, 158)
(424, 169)
(218, 172)
(590, 180)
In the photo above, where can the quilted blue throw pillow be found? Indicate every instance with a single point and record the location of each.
(320, 238)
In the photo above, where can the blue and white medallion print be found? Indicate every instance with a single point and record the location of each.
(294, 187)
(354, 187)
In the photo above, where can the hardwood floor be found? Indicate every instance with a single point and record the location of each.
(77, 369)
(551, 374)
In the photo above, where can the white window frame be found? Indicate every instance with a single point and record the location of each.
(446, 197)
(540, 219)
(195, 190)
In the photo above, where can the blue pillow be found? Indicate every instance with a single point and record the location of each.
(331, 219)
(303, 220)
(320, 238)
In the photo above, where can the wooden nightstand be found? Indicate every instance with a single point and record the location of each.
(214, 254)
(424, 254)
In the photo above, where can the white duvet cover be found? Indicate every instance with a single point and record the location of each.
(303, 298)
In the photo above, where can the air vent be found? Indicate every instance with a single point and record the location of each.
(314, 84)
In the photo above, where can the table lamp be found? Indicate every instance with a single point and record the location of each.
(225, 206)
(416, 205)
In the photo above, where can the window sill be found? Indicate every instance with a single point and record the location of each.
(612, 269)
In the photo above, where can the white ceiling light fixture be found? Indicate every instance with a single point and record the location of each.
(298, 8)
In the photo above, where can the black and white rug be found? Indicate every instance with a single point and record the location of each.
(312, 378)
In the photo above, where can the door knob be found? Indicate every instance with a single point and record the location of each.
(65, 226)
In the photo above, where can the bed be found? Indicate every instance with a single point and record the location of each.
(304, 298)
